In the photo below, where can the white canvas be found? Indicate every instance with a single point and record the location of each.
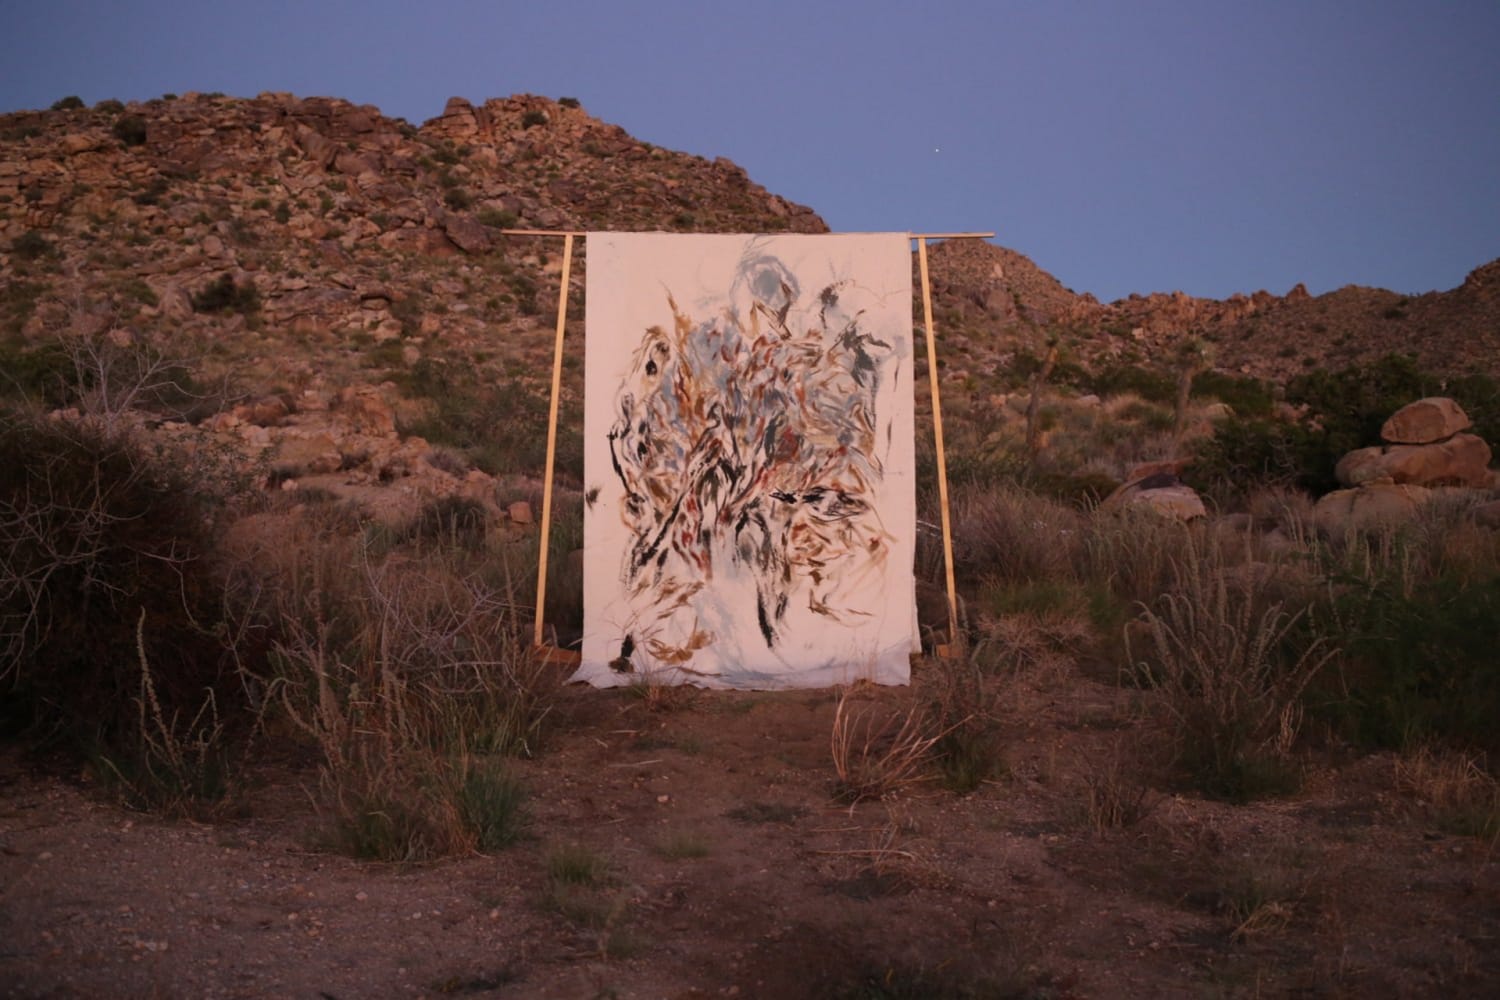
(750, 509)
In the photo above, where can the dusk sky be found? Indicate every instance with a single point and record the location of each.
(1213, 147)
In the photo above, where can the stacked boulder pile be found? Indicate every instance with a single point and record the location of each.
(1426, 447)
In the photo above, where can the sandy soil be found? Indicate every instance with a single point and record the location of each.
(733, 872)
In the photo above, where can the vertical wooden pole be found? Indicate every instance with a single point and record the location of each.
(937, 430)
(557, 356)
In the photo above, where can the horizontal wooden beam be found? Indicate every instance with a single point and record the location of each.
(910, 236)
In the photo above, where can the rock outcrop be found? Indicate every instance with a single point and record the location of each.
(1426, 421)
(1368, 508)
(1425, 446)
(1157, 488)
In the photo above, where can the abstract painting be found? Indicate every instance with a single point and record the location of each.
(748, 460)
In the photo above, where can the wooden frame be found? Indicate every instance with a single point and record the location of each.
(554, 654)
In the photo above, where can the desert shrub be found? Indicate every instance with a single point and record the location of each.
(152, 193)
(101, 535)
(457, 521)
(1344, 411)
(874, 756)
(1230, 668)
(1252, 453)
(70, 103)
(32, 245)
(568, 102)
(1134, 553)
(1115, 380)
(1115, 793)
(108, 384)
(501, 426)
(172, 765)
(130, 130)
(1419, 665)
(393, 807)
(18, 299)
(533, 118)
(43, 373)
(575, 864)
(500, 218)
(1010, 534)
(963, 714)
(109, 106)
(1065, 370)
(223, 294)
(409, 676)
(524, 288)
(456, 464)
(563, 613)
(491, 803)
(1081, 490)
(458, 199)
(1251, 397)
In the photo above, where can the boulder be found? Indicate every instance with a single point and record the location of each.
(519, 511)
(1166, 467)
(313, 453)
(1158, 491)
(267, 411)
(1435, 418)
(1461, 460)
(318, 147)
(367, 411)
(1362, 465)
(466, 234)
(1367, 508)
(1180, 502)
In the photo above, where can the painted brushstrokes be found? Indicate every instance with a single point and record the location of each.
(748, 456)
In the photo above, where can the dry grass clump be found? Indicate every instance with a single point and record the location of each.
(1004, 532)
(875, 758)
(1230, 670)
(169, 765)
(963, 709)
(579, 890)
(409, 672)
(1134, 551)
(1454, 790)
(1264, 893)
(1115, 792)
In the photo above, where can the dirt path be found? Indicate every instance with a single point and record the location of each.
(731, 872)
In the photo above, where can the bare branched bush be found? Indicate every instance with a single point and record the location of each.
(1230, 670)
(116, 384)
(98, 526)
(174, 767)
(411, 675)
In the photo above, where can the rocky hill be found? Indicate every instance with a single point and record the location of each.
(335, 222)
(998, 296)
(308, 252)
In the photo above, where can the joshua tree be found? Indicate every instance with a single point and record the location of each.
(1034, 405)
(1194, 356)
